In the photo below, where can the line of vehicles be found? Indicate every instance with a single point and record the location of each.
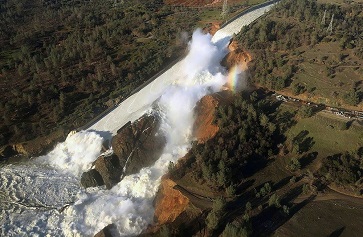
(337, 111)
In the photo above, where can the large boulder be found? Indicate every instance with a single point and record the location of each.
(139, 144)
(110, 170)
(136, 145)
(91, 178)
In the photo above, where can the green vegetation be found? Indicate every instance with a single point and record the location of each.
(305, 111)
(245, 140)
(326, 134)
(274, 179)
(233, 230)
(344, 168)
(294, 51)
(270, 160)
(63, 62)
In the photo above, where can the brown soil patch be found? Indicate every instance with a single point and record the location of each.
(236, 56)
(213, 27)
(170, 203)
(204, 127)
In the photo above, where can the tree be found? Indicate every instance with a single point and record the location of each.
(231, 190)
(219, 204)
(286, 209)
(298, 89)
(62, 101)
(305, 111)
(212, 220)
(248, 206)
(232, 230)
(294, 164)
(274, 200)
(352, 97)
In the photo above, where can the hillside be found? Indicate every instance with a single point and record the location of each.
(277, 168)
(297, 53)
(64, 62)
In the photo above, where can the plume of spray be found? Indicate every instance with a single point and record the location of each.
(75, 154)
(129, 204)
(235, 79)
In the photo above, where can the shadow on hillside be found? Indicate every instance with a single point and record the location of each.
(292, 194)
(306, 159)
(303, 142)
(254, 166)
(337, 232)
(244, 186)
(271, 218)
(282, 183)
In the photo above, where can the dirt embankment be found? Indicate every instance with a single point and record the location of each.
(236, 57)
(170, 203)
(204, 127)
(212, 27)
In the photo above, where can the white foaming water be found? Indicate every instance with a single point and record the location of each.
(75, 154)
(35, 194)
(129, 203)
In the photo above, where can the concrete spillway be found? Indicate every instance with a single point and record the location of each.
(44, 198)
(136, 105)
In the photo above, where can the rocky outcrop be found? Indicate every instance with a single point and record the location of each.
(109, 169)
(107, 231)
(139, 145)
(136, 145)
(91, 178)
(39, 145)
(6, 152)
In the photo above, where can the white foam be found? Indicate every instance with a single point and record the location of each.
(129, 203)
(75, 154)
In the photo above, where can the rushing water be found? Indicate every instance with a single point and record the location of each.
(43, 196)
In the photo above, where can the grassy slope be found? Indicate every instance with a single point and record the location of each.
(313, 73)
(328, 136)
(318, 218)
(325, 218)
(326, 70)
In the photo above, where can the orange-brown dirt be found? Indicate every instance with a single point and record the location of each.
(170, 202)
(236, 56)
(204, 128)
(213, 27)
